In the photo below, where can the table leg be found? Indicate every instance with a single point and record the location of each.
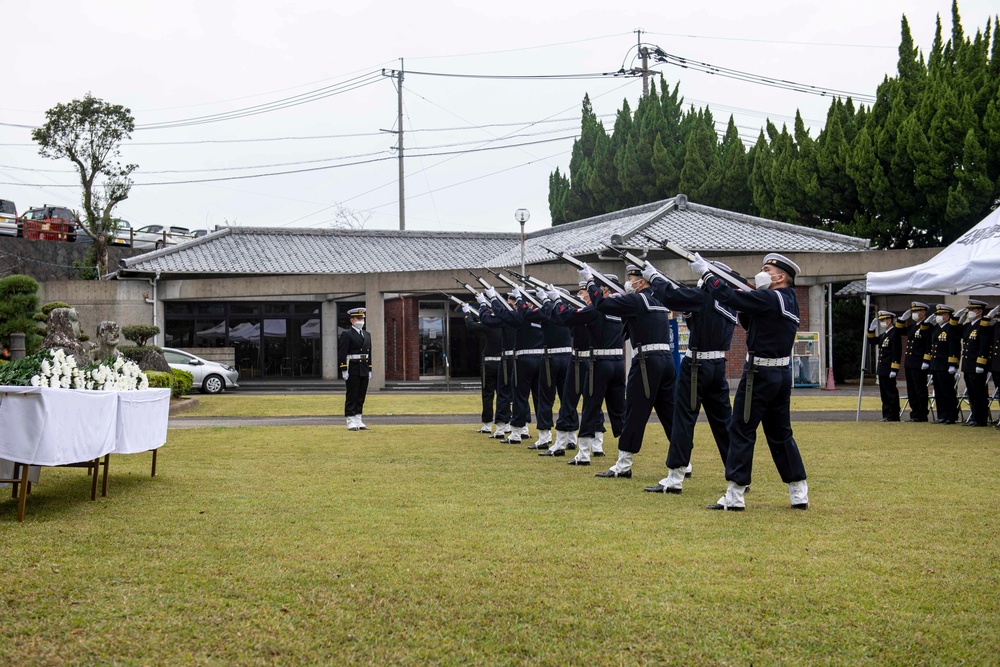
(22, 497)
(93, 483)
(104, 483)
(153, 472)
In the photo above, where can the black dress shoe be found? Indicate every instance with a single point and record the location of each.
(941, 421)
(979, 424)
(555, 452)
(800, 506)
(659, 488)
(574, 462)
(687, 475)
(571, 446)
(719, 506)
(917, 420)
(597, 454)
(612, 473)
(540, 446)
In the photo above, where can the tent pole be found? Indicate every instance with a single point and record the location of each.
(864, 351)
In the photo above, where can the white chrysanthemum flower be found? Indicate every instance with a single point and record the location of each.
(143, 381)
(64, 382)
(36, 381)
(119, 362)
(59, 354)
(46, 367)
(53, 383)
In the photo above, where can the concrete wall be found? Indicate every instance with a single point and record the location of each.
(121, 301)
(50, 260)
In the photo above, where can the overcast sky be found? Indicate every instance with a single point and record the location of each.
(186, 59)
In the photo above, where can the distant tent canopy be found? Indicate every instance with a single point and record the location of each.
(970, 265)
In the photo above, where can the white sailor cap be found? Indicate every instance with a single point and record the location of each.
(783, 263)
(356, 312)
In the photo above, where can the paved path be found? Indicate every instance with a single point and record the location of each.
(470, 419)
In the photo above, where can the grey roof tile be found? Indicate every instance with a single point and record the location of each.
(258, 250)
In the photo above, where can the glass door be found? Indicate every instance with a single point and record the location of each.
(433, 345)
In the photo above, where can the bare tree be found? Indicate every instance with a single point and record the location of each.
(349, 218)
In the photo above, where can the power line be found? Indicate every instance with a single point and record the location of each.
(523, 48)
(773, 41)
(528, 77)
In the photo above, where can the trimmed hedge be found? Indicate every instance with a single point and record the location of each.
(182, 382)
(160, 380)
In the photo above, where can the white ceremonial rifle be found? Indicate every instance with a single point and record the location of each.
(641, 263)
(598, 276)
(684, 254)
(523, 290)
(458, 302)
(486, 285)
(541, 284)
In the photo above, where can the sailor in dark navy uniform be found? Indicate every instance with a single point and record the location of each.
(554, 371)
(529, 350)
(975, 350)
(885, 333)
(918, 341)
(354, 352)
(770, 314)
(652, 375)
(942, 361)
(491, 348)
(505, 374)
(701, 379)
(605, 385)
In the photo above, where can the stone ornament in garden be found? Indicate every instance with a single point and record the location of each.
(108, 338)
(64, 334)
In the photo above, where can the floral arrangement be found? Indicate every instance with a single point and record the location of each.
(56, 369)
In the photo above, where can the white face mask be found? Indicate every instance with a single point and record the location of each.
(629, 287)
(762, 280)
(915, 317)
(941, 319)
(359, 324)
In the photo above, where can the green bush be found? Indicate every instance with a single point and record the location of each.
(160, 380)
(140, 333)
(136, 353)
(182, 382)
(18, 305)
(52, 305)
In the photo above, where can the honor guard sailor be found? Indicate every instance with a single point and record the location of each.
(885, 333)
(354, 352)
(975, 352)
(491, 348)
(917, 329)
(770, 315)
(942, 361)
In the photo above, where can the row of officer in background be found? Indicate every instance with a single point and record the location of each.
(939, 348)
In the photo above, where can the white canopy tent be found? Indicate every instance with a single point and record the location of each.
(970, 265)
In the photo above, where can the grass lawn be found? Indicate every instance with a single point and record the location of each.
(424, 545)
(235, 404)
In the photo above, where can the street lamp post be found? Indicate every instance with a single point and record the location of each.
(522, 215)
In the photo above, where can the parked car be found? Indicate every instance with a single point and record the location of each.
(198, 233)
(123, 234)
(55, 223)
(158, 236)
(8, 217)
(210, 377)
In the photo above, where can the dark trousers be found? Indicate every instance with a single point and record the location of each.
(490, 371)
(662, 377)
(609, 390)
(573, 388)
(945, 396)
(357, 389)
(550, 385)
(527, 368)
(713, 394)
(505, 391)
(979, 398)
(889, 392)
(769, 406)
(916, 393)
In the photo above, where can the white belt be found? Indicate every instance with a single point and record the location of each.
(582, 354)
(521, 353)
(559, 350)
(357, 357)
(492, 358)
(508, 353)
(652, 347)
(612, 352)
(770, 363)
(713, 354)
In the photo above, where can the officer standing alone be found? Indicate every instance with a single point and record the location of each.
(354, 352)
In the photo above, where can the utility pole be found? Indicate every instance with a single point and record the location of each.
(644, 52)
(402, 197)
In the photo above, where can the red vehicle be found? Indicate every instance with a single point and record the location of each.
(50, 223)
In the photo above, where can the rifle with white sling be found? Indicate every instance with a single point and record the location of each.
(458, 302)
(716, 270)
(598, 276)
(486, 285)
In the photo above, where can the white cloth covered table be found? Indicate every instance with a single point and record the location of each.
(52, 427)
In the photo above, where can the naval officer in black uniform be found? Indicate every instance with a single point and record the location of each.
(491, 348)
(770, 314)
(917, 331)
(354, 352)
(701, 380)
(975, 350)
(652, 376)
(942, 361)
(885, 333)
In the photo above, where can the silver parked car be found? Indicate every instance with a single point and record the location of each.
(210, 377)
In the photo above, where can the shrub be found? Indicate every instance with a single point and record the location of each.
(52, 305)
(18, 305)
(182, 382)
(140, 333)
(160, 380)
(137, 353)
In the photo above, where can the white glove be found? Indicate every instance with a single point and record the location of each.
(873, 324)
(585, 273)
(344, 375)
(648, 272)
(951, 370)
(467, 309)
(699, 265)
(516, 292)
(980, 369)
(992, 313)
(892, 374)
(905, 317)
(491, 293)
(552, 292)
(541, 294)
(924, 366)
(960, 314)
(481, 300)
